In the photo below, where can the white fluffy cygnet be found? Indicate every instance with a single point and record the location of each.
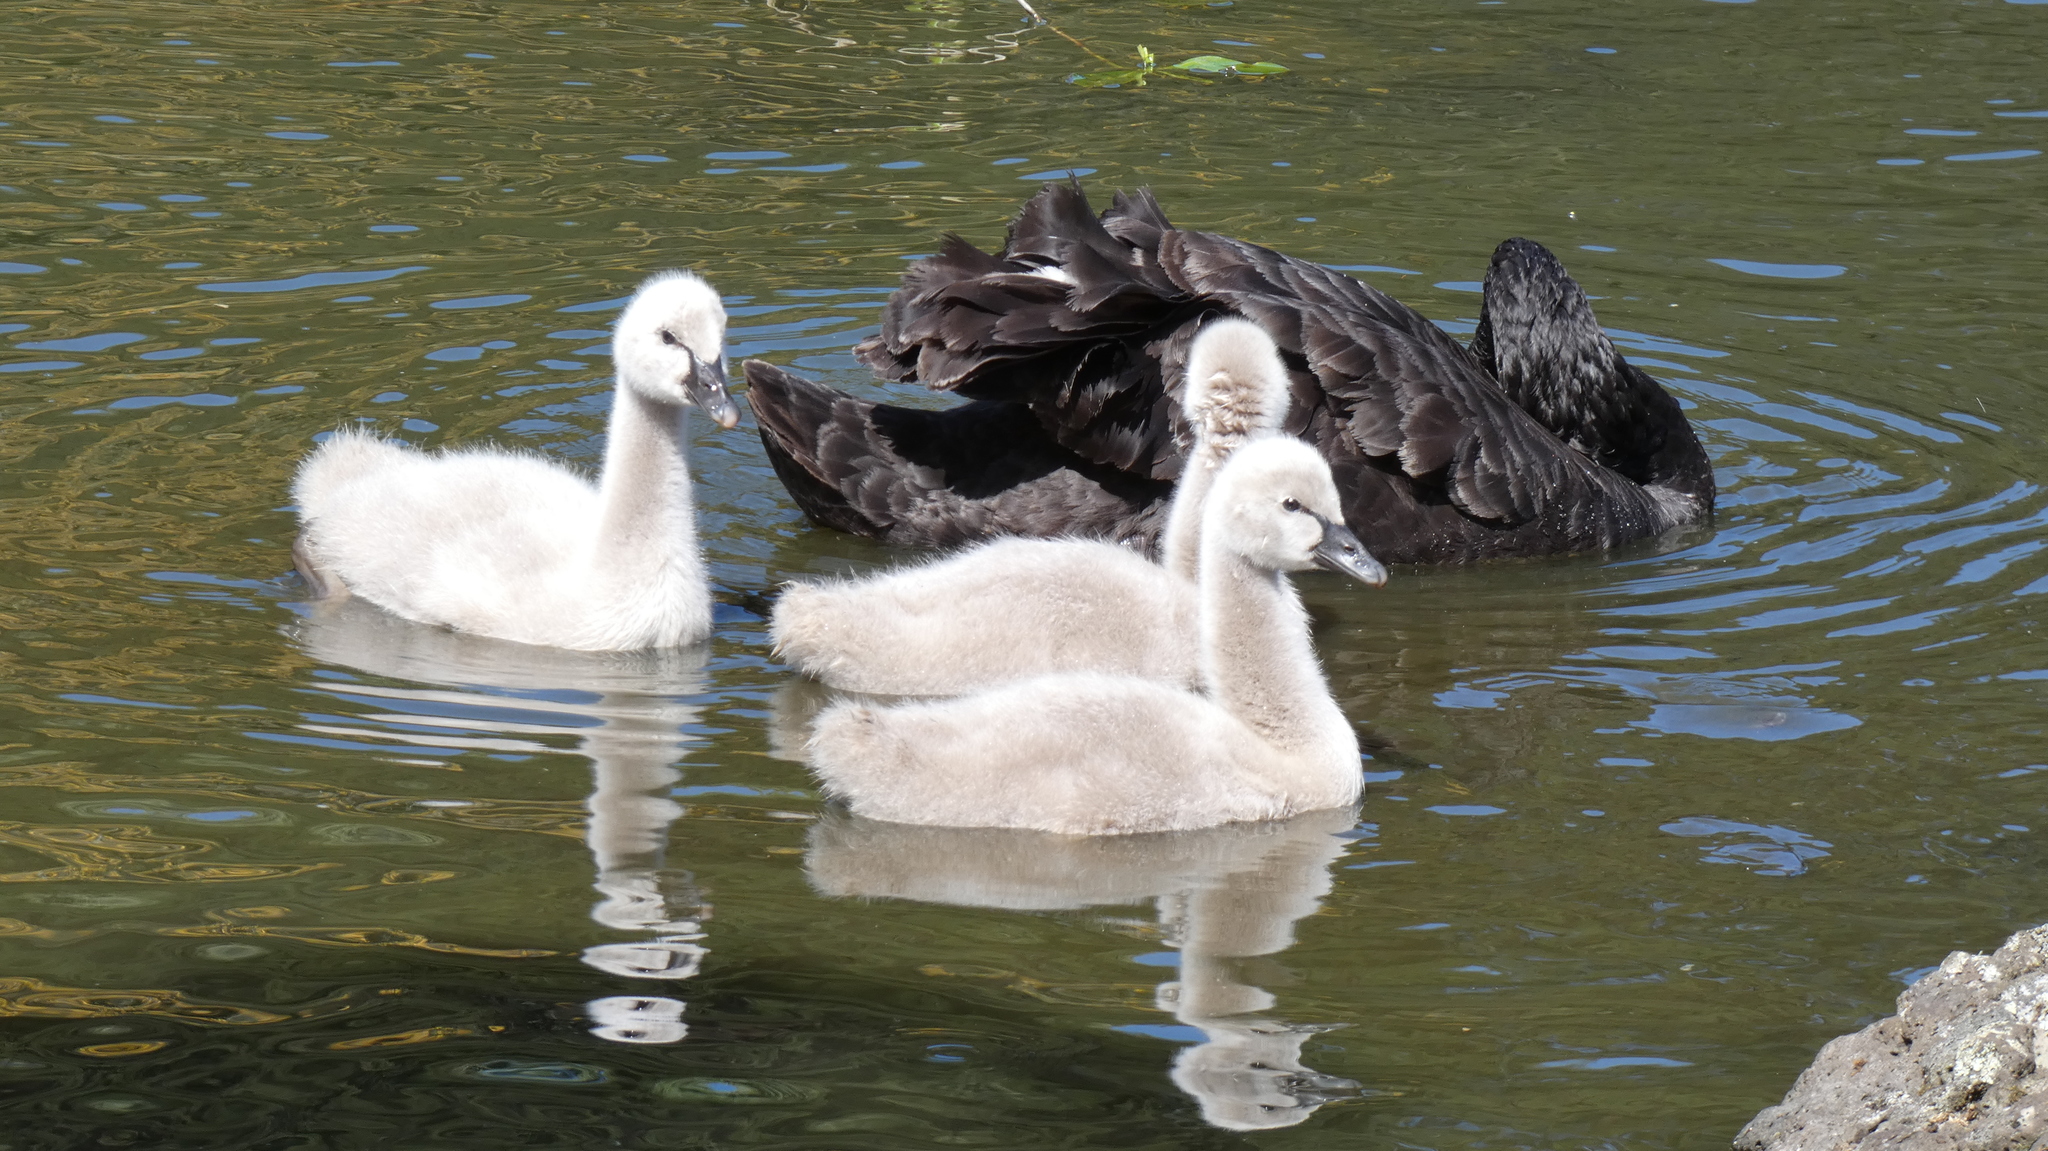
(1015, 608)
(507, 544)
(1092, 754)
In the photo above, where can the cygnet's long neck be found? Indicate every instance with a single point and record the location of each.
(647, 525)
(1257, 661)
(1181, 543)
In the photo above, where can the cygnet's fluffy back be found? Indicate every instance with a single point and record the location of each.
(1017, 608)
(998, 612)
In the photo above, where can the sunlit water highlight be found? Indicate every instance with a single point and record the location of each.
(1641, 830)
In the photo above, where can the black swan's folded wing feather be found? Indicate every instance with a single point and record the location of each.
(1071, 324)
(1400, 385)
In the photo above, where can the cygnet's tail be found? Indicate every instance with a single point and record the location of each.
(348, 454)
(818, 628)
(914, 631)
(851, 753)
(323, 486)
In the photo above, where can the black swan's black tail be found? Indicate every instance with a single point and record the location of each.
(808, 429)
(938, 478)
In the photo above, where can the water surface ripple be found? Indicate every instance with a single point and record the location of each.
(1641, 832)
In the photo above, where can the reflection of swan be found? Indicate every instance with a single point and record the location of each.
(510, 545)
(1021, 607)
(1223, 894)
(639, 701)
(1099, 754)
(637, 1018)
(792, 708)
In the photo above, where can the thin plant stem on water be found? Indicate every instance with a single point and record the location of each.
(1201, 69)
(1075, 41)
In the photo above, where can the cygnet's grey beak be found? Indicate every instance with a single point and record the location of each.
(1341, 552)
(705, 385)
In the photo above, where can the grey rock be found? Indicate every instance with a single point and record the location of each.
(1963, 1066)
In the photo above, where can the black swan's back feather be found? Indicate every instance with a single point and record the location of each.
(938, 479)
(1074, 339)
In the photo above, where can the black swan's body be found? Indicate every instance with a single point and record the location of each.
(1072, 343)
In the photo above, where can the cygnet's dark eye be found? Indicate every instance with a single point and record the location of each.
(669, 338)
(1292, 505)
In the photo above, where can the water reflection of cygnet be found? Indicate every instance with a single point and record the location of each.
(1223, 894)
(627, 709)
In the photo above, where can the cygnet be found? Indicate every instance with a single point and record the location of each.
(1015, 608)
(507, 544)
(1092, 753)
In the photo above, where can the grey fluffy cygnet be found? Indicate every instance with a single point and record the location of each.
(1021, 607)
(1092, 753)
(509, 545)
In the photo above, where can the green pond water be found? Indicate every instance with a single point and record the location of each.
(1642, 830)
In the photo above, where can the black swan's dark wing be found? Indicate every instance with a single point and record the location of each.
(1389, 384)
(938, 479)
(1088, 322)
(1065, 321)
(1538, 337)
(1409, 419)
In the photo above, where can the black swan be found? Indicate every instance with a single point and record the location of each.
(1072, 344)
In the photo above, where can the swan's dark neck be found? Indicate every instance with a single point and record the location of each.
(1538, 337)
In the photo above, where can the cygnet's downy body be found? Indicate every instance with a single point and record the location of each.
(1093, 754)
(507, 544)
(1016, 608)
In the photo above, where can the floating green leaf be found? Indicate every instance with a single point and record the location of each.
(1208, 64)
(1224, 66)
(1201, 69)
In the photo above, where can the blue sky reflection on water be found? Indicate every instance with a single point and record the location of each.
(1673, 816)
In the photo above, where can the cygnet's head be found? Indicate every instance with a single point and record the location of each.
(1236, 385)
(1275, 504)
(669, 345)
